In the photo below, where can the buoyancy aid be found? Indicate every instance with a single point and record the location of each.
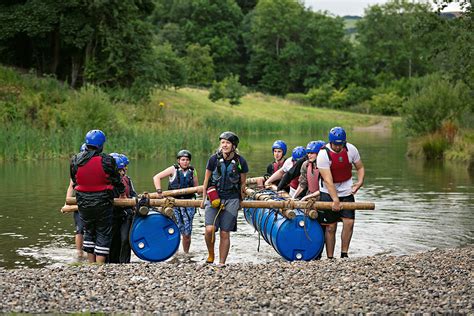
(277, 165)
(226, 175)
(296, 180)
(312, 176)
(341, 168)
(91, 176)
(182, 180)
(128, 186)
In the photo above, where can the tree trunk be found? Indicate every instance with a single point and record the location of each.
(56, 46)
(75, 66)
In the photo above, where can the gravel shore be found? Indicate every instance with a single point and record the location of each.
(439, 281)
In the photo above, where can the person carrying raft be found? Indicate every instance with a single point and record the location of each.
(181, 175)
(279, 149)
(335, 162)
(94, 175)
(309, 173)
(120, 249)
(224, 182)
(297, 153)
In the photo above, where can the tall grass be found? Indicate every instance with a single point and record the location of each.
(43, 119)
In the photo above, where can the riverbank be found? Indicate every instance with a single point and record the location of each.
(439, 281)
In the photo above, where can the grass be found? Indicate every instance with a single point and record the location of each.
(43, 119)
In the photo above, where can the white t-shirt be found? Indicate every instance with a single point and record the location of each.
(287, 165)
(323, 162)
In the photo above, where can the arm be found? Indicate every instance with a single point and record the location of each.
(309, 196)
(274, 177)
(168, 172)
(360, 176)
(207, 176)
(195, 177)
(243, 180)
(293, 172)
(328, 182)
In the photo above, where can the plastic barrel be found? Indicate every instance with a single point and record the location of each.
(154, 237)
(300, 238)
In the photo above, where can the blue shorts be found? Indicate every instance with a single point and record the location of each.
(226, 219)
(78, 223)
(184, 219)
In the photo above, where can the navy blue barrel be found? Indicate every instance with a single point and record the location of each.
(154, 237)
(300, 238)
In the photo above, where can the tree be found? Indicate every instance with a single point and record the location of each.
(199, 65)
(229, 88)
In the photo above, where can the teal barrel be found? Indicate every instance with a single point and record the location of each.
(300, 238)
(154, 237)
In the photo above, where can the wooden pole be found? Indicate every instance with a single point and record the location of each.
(289, 204)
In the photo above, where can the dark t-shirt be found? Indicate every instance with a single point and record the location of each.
(244, 168)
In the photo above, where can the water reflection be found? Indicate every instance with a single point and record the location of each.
(420, 205)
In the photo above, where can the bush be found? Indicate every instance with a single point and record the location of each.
(385, 104)
(229, 88)
(357, 94)
(437, 102)
(320, 96)
(339, 99)
(434, 147)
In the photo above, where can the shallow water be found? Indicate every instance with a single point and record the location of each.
(419, 205)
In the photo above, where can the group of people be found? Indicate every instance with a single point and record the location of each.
(321, 170)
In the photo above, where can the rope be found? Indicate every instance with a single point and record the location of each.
(221, 207)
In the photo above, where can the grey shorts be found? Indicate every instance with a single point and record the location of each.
(226, 219)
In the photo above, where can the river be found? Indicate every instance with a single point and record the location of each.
(419, 205)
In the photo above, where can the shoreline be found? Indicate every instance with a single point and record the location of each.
(437, 281)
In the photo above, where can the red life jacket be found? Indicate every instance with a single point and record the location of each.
(91, 177)
(341, 168)
(277, 165)
(312, 175)
(128, 188)
(295, 181)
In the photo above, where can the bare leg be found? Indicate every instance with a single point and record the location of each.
(330, 236)
(209, 237)
(91, 257)
(79, 240)
(186, 243)
(224, 246)
(346, 235)
(100, 259)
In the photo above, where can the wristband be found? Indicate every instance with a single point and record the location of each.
(159, 191)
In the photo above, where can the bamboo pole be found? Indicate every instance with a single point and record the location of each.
(289, 204)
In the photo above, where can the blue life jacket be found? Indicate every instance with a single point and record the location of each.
(226, 176)
(182, 181)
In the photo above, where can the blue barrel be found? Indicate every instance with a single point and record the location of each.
(300, 238)
(154, 237)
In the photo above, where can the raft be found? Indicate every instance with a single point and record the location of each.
(154, 237)
(298, 238)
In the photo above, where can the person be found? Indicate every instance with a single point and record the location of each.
(309, 174)
(78, 223)
(297, 153)
(181, 175)
(226, 172)
(94, 175)
(335, 163)
(120, 249)
(279, 149)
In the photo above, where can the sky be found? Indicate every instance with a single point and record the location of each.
(351, 7)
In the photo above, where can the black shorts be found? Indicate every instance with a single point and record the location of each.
(330, 216)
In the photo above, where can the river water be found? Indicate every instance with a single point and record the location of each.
(419, 205)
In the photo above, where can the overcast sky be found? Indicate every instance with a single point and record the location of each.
(349, 7)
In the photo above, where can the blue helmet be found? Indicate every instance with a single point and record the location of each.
(125, 159)
(95, 138)
(83, 147)
(279, 144)
(337, 135)
(118, 160)
(298, 152)
(315, 146)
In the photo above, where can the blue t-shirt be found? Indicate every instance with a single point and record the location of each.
(244, 168)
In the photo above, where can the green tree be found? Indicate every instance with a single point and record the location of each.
(229, 88)
(199, 65)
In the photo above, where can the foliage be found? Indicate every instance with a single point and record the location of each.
(437, 102)
(199, 65)
(385, 103)
(229, 88)
(320, 96)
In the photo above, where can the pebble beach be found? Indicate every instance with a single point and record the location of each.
(438, 281)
